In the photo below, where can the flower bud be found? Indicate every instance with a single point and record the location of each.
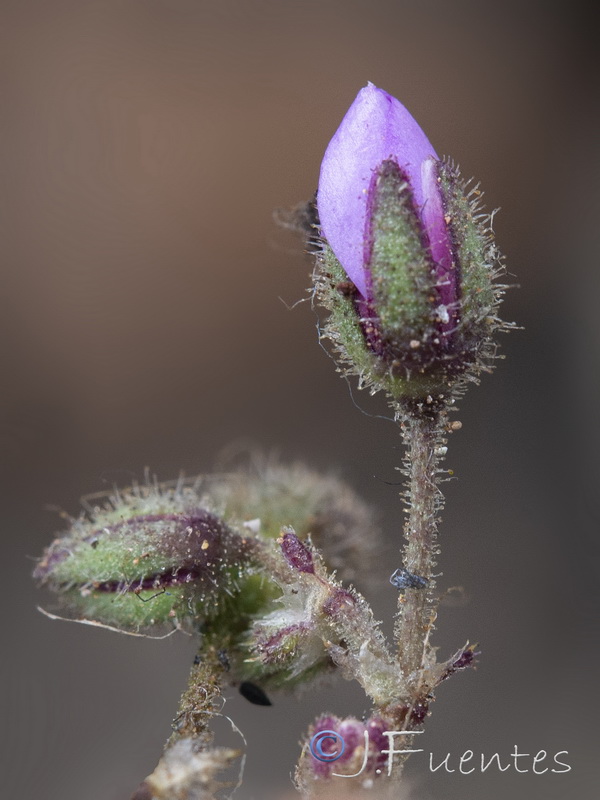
(286, 651)
(407, 265)
(130, 566)
(316, 624)
(296, 553)
(348, 747)
(338, 521)
(286, 646)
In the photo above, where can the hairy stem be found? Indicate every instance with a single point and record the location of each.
(423, 436)
(200, 701)
(189, 767)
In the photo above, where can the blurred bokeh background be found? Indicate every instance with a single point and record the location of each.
(145, 322)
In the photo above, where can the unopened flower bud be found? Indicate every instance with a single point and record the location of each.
(407, 265)
(348, 747)
(296, 553)
(286, 646)
(285, 655)
(340, 524)
(131, 567)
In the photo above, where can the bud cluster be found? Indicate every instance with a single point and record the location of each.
(204, 556)
(318, 624)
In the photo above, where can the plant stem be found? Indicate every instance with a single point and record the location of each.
(189, 767)
(200, 701)
(423, 436)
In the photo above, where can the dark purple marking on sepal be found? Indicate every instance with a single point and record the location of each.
(54, 555)
(159, 581)
(198, 546)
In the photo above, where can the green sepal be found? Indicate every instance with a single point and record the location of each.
(400, 269)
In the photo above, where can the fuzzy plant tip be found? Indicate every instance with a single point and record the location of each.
(407, 263)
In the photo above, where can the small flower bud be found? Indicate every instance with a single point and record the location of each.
(285, 647)
(346, 747)
(407, 266)
(296, 553)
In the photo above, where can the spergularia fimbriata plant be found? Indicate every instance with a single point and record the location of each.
(265, 566)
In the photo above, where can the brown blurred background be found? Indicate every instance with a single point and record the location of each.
(145, 144)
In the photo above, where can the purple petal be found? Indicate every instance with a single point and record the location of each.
(376, 127)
